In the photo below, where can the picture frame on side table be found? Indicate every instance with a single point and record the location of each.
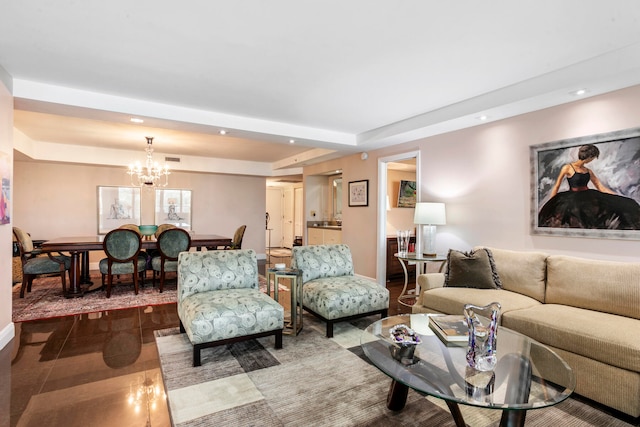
(359, 193)
(117, 206)
(173, 206)
(603, 199)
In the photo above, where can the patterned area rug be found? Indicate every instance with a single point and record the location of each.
(46, 299)
(315, 381)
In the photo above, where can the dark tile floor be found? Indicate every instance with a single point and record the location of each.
(99, 369)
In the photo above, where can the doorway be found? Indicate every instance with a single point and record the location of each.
(285, 214)
(383, 193)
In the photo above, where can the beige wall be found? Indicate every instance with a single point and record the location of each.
(6, 149)
(483, 176)
(53, 200)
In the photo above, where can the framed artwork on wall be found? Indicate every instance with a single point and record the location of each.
(407, 194)
(587, 186)
(173, 206)
(359, 193)
(117, 206)
(5, 191)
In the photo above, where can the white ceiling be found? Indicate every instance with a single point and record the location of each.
(342, 76)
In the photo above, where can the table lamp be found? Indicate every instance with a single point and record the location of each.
(429, 215)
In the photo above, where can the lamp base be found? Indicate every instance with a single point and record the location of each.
(429, 255)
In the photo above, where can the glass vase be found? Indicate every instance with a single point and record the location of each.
(404, 237)
(483, 333)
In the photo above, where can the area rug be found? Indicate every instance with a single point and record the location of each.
(46, 299)
(313, 381)
(280, 252)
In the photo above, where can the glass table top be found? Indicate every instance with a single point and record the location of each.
(528, 374)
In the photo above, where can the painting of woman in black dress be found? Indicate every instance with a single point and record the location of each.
(593, 188)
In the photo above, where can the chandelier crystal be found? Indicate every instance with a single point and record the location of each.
(151, 174)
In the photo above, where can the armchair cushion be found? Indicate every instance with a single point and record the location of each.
(344, 296)
(319, 261)
(229, 313)
(216, 270)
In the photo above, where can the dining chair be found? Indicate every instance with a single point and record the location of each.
(170, 243)
(122, 247)
(236, 243)
(34, 265)
(163, 227)
(131, 227)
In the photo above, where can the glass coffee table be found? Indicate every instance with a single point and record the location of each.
(528, 375)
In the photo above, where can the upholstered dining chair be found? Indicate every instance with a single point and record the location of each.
(163, 227)
(236, 243)
(34, 265)
(131, 227)
(122, 247)
(170, 243)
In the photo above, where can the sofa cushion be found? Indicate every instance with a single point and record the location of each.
(608, 338)
(452, 300)
(318, 261)
(344, 296)
(522, 272)
(607, 286)
(474, 269)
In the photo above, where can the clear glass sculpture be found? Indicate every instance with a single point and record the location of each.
(483, 331)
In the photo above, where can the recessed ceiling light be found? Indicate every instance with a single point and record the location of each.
(222, 132)
(578, 92)
(482, 118)
(136, 120)
(292, 141)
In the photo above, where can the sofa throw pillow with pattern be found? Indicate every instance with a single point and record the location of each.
(474, 269)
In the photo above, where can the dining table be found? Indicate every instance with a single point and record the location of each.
(79, 247)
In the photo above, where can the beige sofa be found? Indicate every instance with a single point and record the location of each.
(588, 311)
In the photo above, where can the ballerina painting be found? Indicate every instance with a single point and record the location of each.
(589, 189)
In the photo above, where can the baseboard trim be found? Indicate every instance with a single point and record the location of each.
(7, 334)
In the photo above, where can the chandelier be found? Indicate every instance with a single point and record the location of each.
(151, 174)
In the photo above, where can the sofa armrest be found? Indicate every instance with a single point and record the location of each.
(429, 281)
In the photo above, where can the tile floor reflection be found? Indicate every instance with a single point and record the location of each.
(98, 369)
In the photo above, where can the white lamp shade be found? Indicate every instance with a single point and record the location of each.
(430, 213)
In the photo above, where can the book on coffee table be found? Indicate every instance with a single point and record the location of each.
(450, 328)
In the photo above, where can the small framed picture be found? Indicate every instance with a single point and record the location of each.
(359, 193)
(117, 206)
(173, 206)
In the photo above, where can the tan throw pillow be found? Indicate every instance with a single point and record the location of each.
(475, 269)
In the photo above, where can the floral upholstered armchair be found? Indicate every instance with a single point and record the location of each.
(331, 291)
(219, 301)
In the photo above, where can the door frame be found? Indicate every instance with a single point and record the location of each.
(381, 269)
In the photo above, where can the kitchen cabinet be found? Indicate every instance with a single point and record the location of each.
(323, 236)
